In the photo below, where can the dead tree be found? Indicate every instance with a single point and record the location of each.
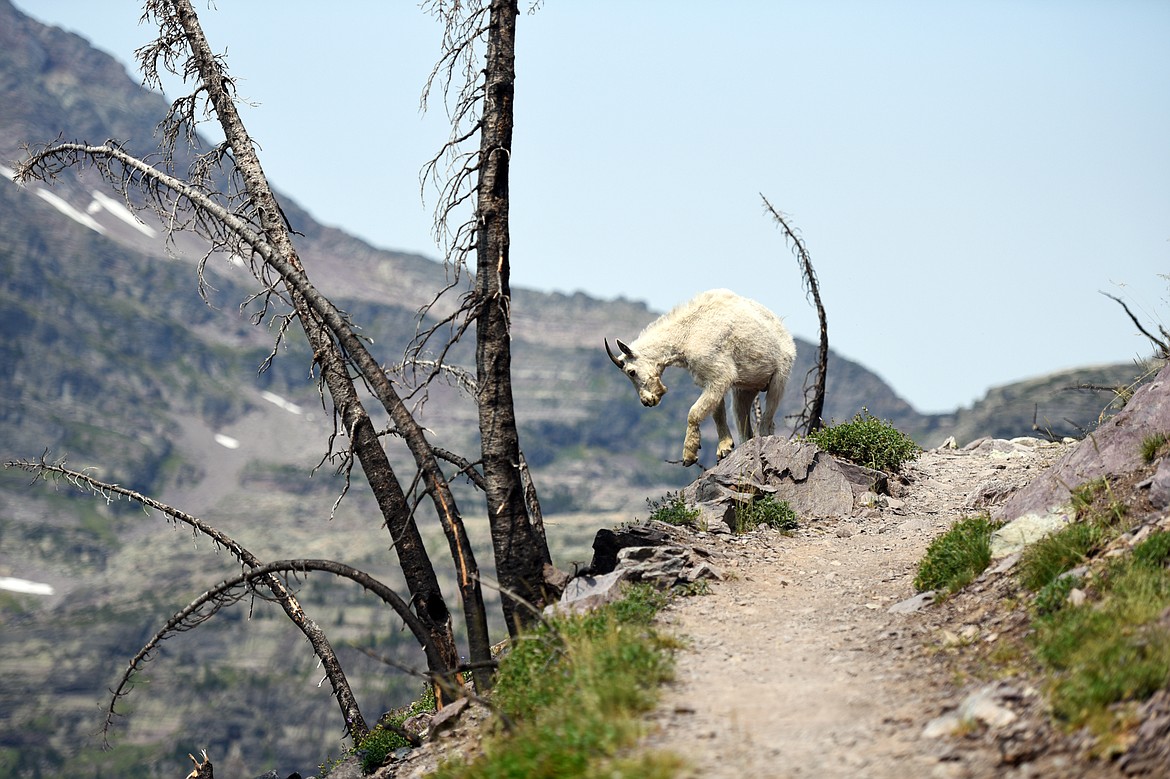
(812, 418)
(244, 218)
(485, 102)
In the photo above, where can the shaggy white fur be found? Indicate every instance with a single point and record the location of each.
(726, 342)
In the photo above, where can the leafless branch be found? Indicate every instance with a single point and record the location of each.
(232, 590)
(455, 168)
(180, 205)
(466, 468)
(1162, 345)
(811, 417)
(284, 596)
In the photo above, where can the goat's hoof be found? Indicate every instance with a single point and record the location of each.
(689, 459)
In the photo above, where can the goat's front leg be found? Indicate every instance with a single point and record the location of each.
(705, 406)
(726, 442)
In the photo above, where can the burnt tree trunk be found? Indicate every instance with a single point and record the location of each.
(416, 565)
(517, 539)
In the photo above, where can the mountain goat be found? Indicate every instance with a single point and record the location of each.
(726, 342)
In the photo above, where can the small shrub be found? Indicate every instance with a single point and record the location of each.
(765, 511)
(377, 747)
(955, 558)
(868, 441)
(1152, 446)
(381, 742)
(672, 510)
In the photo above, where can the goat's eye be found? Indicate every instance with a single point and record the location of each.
(631, 373)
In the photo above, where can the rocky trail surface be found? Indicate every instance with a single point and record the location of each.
(795, 665)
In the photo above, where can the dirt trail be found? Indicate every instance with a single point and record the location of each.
(795, 667)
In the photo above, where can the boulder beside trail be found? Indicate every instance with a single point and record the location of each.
(814, 483)
(654, 552)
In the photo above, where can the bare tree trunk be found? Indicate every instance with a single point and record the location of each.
(812, 417)
(519, 544)
(416, 565)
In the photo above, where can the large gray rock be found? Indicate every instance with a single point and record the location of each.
(1112, 449)
(586, 593)
(1023, 531)
(664, 564)
(814, 483)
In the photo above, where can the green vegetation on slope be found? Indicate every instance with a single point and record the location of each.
(1102, 651)
(576, 689)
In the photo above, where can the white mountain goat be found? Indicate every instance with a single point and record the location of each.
(726, 342)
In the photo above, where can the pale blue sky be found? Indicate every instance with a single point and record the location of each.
(967, 176)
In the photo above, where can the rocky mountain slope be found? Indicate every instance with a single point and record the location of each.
(114, 362)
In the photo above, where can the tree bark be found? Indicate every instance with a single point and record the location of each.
(416, 565)
(519, 545)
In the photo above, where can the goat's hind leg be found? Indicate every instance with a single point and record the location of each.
(772, 402)
(744, 399)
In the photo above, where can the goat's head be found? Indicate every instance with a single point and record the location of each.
(645, 374)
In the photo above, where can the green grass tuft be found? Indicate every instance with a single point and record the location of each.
(1042, 562)
(576, 688)
(955, 558)
(1153, 445)
(868, 441)
(672, 510)
(1053, 596)
(764, 511)
(1154, 551)
(1095, 502)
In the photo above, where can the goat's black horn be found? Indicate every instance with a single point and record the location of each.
(613, 356)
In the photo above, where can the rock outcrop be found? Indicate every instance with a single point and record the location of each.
(1112, 449)
(815, 484)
